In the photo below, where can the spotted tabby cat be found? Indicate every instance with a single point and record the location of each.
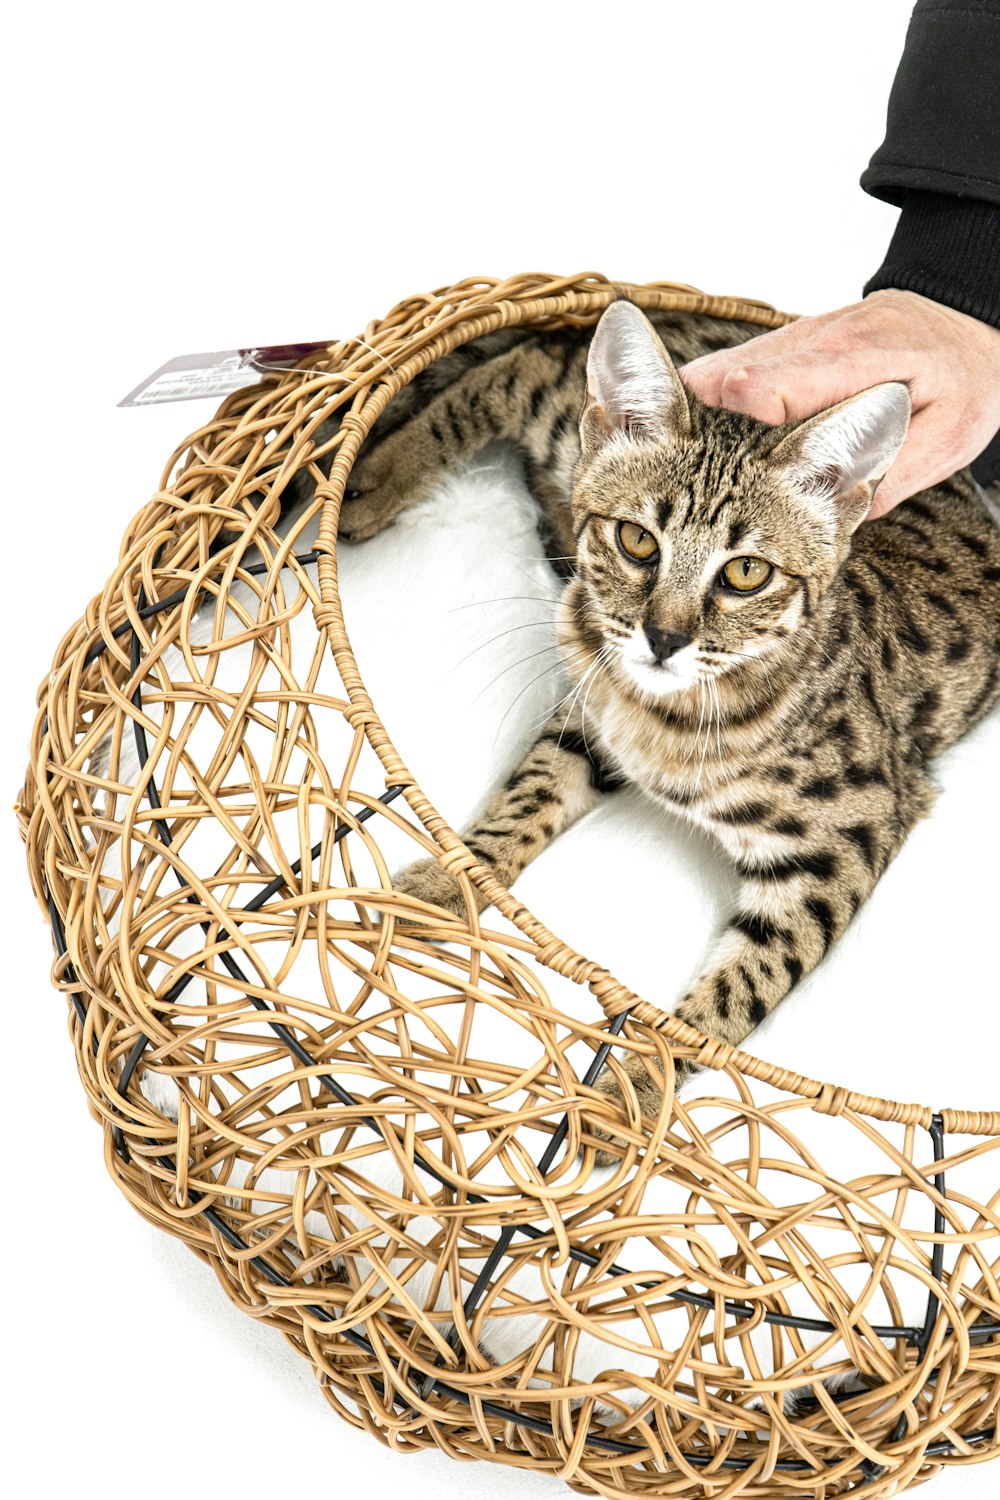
(743, 648)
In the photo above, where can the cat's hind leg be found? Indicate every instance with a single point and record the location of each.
(489, 402)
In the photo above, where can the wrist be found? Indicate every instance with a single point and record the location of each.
(946, 249)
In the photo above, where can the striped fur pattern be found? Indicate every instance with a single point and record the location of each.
(794, 721)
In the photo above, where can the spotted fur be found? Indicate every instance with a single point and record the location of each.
(794, 724)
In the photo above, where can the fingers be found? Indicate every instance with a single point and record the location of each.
(788, 388)
(933, 450)
(743, 372)
(707, 376)
(755, 389)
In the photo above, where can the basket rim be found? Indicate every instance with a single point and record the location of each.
(453, 316)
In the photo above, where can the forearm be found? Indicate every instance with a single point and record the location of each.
(943, 121)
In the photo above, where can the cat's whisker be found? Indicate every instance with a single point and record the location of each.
(595, 664)
(698, 739)
(584, 652)
(718, 719)
(527, 625)
(605, 662)
(505, 599)
(553, 668)
(523, 571)
(693, 747)
(724, 659)
(580, 685)
(556, 706)
(512, 666)
(550, 713)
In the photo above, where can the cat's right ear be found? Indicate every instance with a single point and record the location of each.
(835, 460)
(633, 390)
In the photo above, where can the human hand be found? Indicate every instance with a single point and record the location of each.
(950, 362)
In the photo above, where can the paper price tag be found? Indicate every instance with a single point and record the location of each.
(190, 377)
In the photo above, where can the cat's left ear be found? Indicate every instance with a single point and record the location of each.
(633, 389)
(834, 461)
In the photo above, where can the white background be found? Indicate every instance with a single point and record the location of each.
(202, 177)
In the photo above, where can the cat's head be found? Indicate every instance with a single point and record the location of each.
(706, 539)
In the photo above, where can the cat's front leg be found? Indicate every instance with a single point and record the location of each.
(788, 914)
(561, 778)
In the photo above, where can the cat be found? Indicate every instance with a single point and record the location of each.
(741, 647)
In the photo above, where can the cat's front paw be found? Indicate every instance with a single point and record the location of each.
(647, 1092)
(429, 882)
(379, 487)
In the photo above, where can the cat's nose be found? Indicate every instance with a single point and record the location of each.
(664, 643)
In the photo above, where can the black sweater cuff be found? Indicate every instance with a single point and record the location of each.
(948, 249)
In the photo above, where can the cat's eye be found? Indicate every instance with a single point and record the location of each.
(746, 573)
(636, 542)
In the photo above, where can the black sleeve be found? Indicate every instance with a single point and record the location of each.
(940, 160)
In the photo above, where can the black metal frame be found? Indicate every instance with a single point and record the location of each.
(918, 1337)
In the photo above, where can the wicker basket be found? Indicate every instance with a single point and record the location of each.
(179, 969)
